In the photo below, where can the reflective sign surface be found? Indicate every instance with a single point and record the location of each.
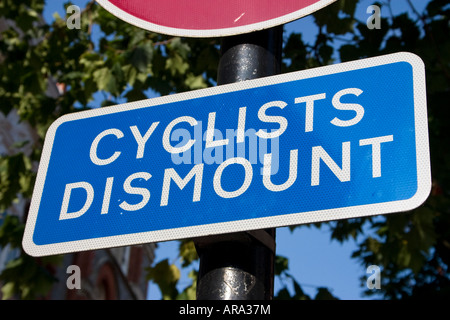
(330, 143)
(210, 18)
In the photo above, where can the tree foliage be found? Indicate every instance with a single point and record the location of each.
(413, 248)
(112, 61)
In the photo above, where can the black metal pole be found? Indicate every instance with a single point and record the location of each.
(240, 266)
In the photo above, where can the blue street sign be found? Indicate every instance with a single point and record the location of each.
(335, 142)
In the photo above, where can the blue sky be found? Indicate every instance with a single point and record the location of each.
(314, 259)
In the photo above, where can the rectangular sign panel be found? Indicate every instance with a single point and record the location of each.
(335, 142)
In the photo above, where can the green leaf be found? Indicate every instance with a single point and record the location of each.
(141, 57)
(283, 294)
(187, 252)
(11, 232)
(15, 177)
(176, 65)
(130, 74)
(8, 290)
(195, 82)
(436, 7)
(181, 48)
(281, 264)
(28, 278)
(166, 276)
(190, 292)
(324, 294)
(337, 17)
(135, 95)
(299, 294)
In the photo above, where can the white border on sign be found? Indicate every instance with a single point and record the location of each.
(422, 157)
(209, 33)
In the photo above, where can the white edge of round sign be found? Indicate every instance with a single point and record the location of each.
(209, 33)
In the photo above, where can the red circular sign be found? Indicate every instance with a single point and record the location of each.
(210, 18)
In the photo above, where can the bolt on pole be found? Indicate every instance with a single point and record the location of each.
(240, 266)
